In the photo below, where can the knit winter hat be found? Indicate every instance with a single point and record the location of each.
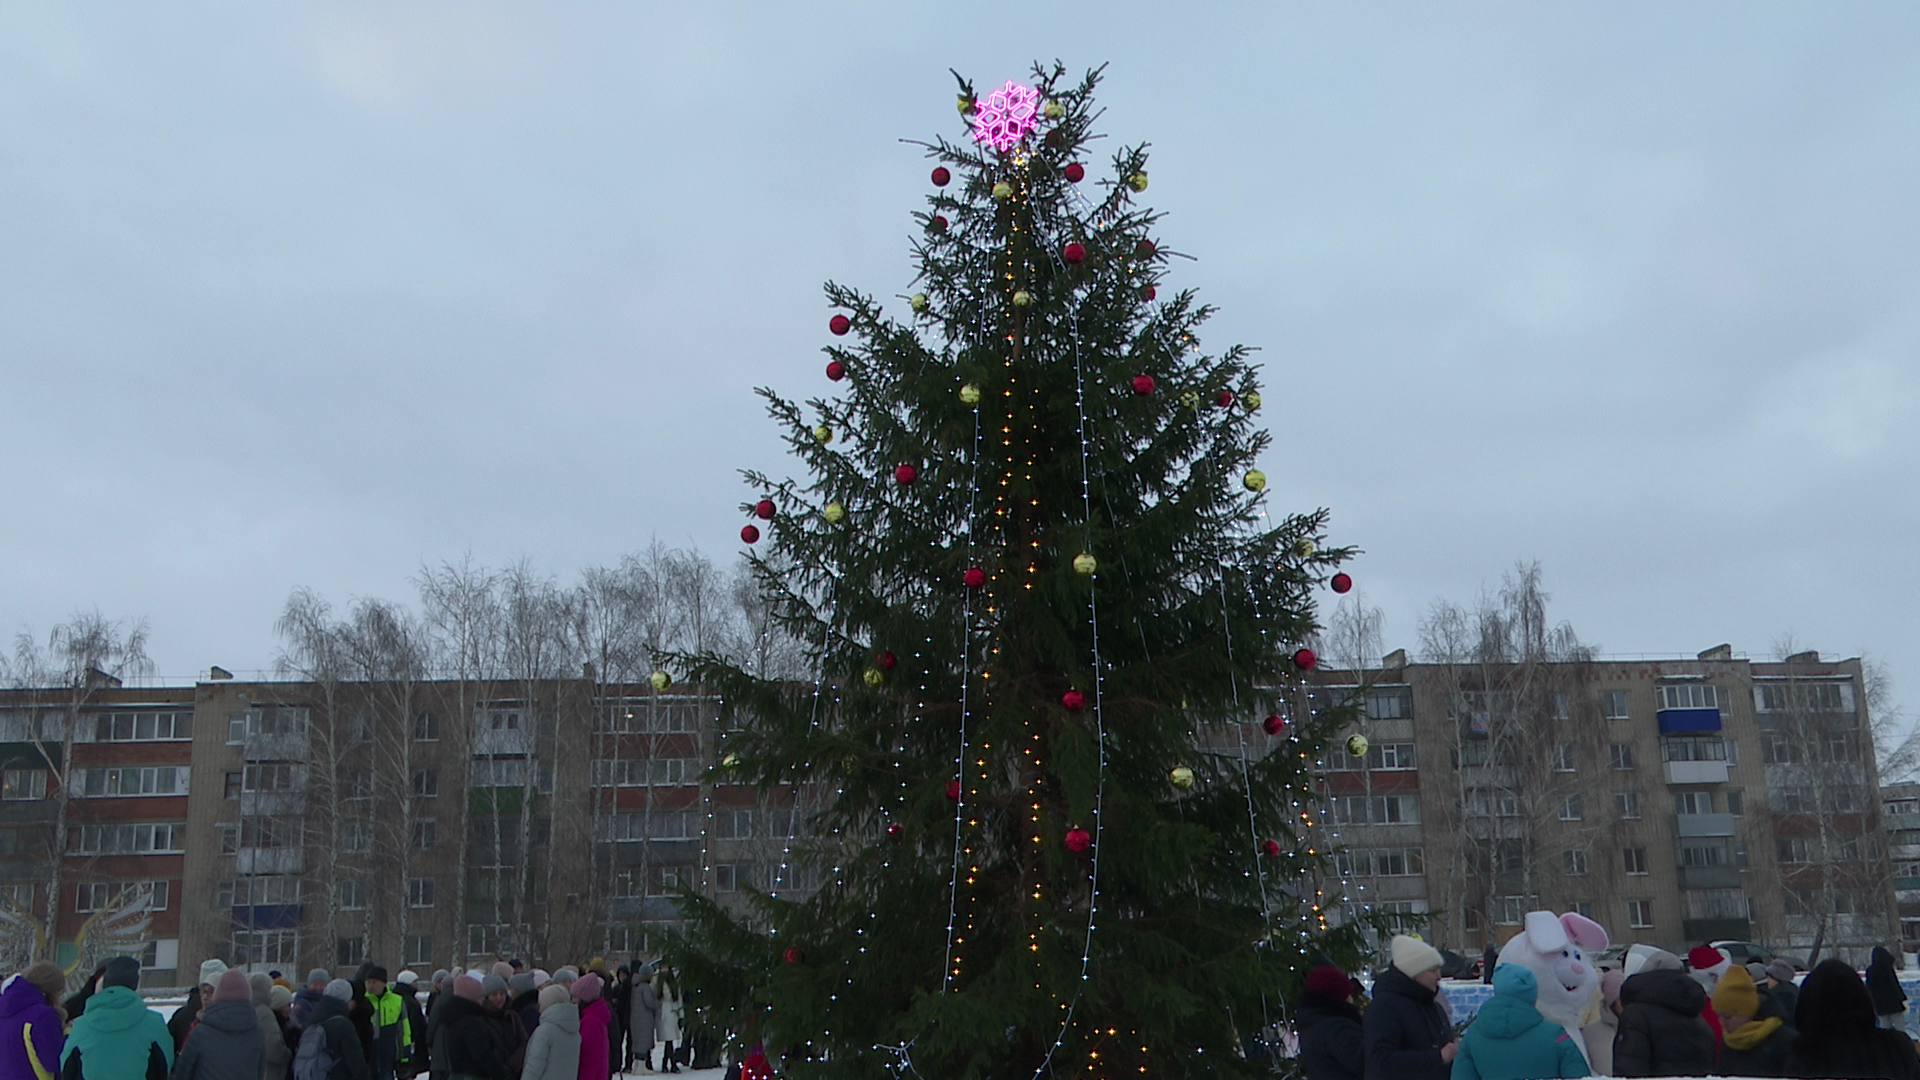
(1705, 957)
(121, 971)
(553, 994)
(1756, 969)
(260, 984)
(565, 976)
(233, 986)
(1662, 960)
(540, 978)
(441, 975)
(502, 969)
(406, 978)
(521, 982)
(211, 971)
(468, 987)
(375, 971)
(492, 984)
(339, 989)
(587, 988)
(1329, 981)
(1610, 986)
(1736, 996)
(1413, 956)
(1780, 970)
(318, 975)
(280, 998)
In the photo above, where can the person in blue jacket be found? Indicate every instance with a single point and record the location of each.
(118, 1037)
(1510, 1040)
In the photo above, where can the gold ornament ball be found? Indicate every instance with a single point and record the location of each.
(1181, 777)
(1138, 181)
(1251, 399)
(970, 394)
(660, 680)
(1255, 480)
(1304, 549)
(1357, 745)
(834, 513)
(1022, 298)
(1191, 399)
(918, 301)
(731, 761)
(1002, 190)
(1084, 563)
(965, 104)
(823, 434)
(874, 676)
(1055, 110)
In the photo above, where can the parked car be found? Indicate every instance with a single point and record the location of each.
(1747, 952)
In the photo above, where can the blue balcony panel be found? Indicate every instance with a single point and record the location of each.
(1681, 721)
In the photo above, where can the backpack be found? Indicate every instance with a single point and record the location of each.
(313, 1061)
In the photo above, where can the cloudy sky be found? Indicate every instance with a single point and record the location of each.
(314, 294)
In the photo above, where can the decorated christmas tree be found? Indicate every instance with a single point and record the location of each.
(1056, 725)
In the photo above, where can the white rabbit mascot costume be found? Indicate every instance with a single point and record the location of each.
(1555, 948)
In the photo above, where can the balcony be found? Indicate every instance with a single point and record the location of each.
(287, 860)
(1683, 721)
(272, 803)
(1709, 877)
(276, 746)
(1704, 824)
(1696, 772)
(502, 742)
(1715, 929)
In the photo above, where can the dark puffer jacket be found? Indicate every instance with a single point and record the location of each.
(225, 1045)
(1405, 1029)
(1838, 1034)
(1883, 984)
(1661, 1031)
(473, 1045)
(1332, 1044)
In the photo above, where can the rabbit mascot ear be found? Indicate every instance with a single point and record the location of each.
(1583, 931)
(1547, 932)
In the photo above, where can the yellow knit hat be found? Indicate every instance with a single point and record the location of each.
(1735, 995)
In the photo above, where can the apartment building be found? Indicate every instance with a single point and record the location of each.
(287, 825)
(1673, 800)
(1900, 803)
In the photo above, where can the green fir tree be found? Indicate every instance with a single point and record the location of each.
(1057, 833)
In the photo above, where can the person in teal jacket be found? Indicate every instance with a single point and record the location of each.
(118, 1037)
(1510, 1040)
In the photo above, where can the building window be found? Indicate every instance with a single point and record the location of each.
(1808, 697)
(269, 833)
(1693, 802)
(132, 780)
(233, 785)
(1470, 919)
(426, 728)
(1704, 855)
(280, 947)
(92, 896)
(1846, 800)
(1793, 849)
(419, 950)
(360, 728)
(662, 880)
(1621, 755)
(424, 835)
(1693, 748)
(24, 784)
(1582, 908)
(350, 951)
(267, 890)
(1903, 807)
(1511, 910)
(143, 727)
(726, 878)
(1627, 803)
(356, 838)
(1570, 808)
(1687, 696)
(1381, 862)
(1563, 758)
(353, 895)
(1791, 800)
(357, 784)
(1390, 704)
(265, 722)
(1640, 914)
(426, 783)
(1391, 756)
(157, 839)
(1574, 862)
(420, 892)
(1635, 859)
(229, 839)
(277, 776)
(1736, 802)
(1613, 705)
(733, 824)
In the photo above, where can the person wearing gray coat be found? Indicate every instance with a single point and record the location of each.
(279, 1057)
(226, 1043)
(642, 1016)
(553, 1053)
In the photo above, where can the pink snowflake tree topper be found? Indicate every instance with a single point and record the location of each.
(1006, 116)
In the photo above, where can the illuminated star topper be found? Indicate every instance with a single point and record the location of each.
(1006, 116)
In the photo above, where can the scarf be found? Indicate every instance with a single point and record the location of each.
(1753, 1033)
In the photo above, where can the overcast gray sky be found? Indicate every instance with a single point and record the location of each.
(312, 294)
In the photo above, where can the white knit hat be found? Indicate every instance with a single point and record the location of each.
(1413, 956)
(211, 970)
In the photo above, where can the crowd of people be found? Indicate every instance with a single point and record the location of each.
(1699, 1016)
(509, 1022)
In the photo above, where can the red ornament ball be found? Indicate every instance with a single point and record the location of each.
(750, 533)
(974, 577)
(1073, 701)
(953, 790)
(886, 661)
(836, 370)
(1078, 840)
(1275, 724)
(1144, 249)
(1271, 847)
(1225, 399)
(1305, 660)
(763, 509)
(1342, 582)
(1074, 252)
(793, 955)
(1143, 384)
(1150, 292)
(840, 324)
(906, 474)
(895, 831)
(1076, 172)
(937, 224)
(941, 176)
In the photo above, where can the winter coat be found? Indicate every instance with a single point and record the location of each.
(391, 1033)
(1837, 1033)
(304, 999)
(1786, 997)
(643, 1017)
(1405, 1029)
(527, 1007)
(472, 1041)
(279, 1057)
(1332, 1044)
(1510, 1040)
(343, 1043)
(1757, 1048)
(183, 1019)
(119, 1038)
(553, 1052)
(1661, 1031)
(1883, 984)
(225, 1045)
(668, 1027)
(512, 1035)
(595, 1047)
(416, 1029)
(31, 1033)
